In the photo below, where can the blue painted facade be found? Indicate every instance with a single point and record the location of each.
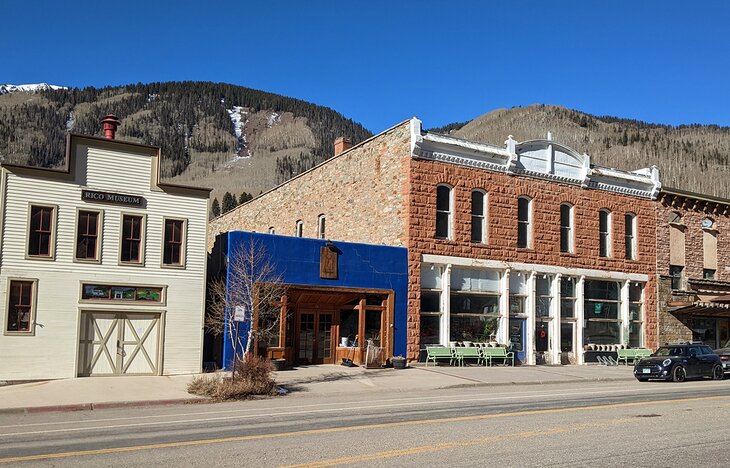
(297, 261)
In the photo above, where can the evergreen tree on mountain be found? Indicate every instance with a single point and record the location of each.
(229, 202)
(215, 208)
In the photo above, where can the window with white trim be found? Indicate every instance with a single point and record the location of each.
(636, 315)
(630, 235)
(566, 228)
(431, 313)
(444, 211)
(604, 233)
(174, 242)
(474, 304)
(479, 216)
(88, 235)
(321, 227)
(299, 228)
(524, 222)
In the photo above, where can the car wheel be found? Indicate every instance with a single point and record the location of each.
(679, 374)
(718, 373)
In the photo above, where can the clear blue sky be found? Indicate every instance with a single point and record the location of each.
(380, 62)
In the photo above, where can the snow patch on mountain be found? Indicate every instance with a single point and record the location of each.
(239, 118)
(273, 119)
(28, 88)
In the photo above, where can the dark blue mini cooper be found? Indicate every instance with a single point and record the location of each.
(680, 362)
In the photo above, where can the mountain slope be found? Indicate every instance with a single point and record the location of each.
(690, 157)
(227, 137)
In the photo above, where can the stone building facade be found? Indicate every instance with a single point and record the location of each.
(525, 244)
(693, 267)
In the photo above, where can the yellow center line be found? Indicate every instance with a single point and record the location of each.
(451, 445)
(191, 443)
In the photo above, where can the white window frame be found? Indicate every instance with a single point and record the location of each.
(99, 235)
(142, 242)
(570, 228)
(54, 229)
(321, 226)
(183, 246)
(449, 213)
(482, 219)
(33, 307)
(272, 230)
(299, 228)
(631, 253)
(528, 223)
(608, 238)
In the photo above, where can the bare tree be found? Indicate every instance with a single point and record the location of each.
(250, 292)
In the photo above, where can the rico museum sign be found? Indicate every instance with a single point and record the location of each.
(109, 197)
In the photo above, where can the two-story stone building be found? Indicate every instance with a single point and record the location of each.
(528, 244)
(693, 264)
(103, 266)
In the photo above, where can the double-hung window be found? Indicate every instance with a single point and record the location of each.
(132, 241)
(444, 212)
(566, 228)
(479, 216)
(630, 236)
(174, 248)
(524, 222)
(321, 227)
(41, 236)
(21, 307)
(88, 247)
(604, 233)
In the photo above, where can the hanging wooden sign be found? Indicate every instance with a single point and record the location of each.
(327, 263)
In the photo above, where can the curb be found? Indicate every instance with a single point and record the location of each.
(536, 382)
(99, 406)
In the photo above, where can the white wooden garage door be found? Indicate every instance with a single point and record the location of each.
(119, 343)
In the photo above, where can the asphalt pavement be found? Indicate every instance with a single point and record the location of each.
(107, 392)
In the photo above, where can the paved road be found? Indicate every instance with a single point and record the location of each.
(609, 424)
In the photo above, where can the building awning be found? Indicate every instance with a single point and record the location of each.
(704, 309)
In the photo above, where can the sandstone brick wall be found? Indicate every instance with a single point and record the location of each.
(503, 191)
(673, 327)
(692, 215)
(362, 193)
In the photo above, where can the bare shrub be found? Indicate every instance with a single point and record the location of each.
(251, 378)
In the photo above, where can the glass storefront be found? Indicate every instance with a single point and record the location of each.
(474, 304)
(601, 308)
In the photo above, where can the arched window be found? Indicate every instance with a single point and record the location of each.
(444, 211)
(299, 229)
(630, 235)
(272, 230)
(321, 227)
(566, 228)
(524, 222)
(479, 216)
(604, 233)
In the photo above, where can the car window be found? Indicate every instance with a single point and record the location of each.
(706, 350)
(693, 351)
(669, 351)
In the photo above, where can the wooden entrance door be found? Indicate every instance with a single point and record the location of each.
(315, 337)
(119, 343)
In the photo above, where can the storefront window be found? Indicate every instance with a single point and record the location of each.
(543, 296)
(431, 313)
(567, 297)
(474, 304)
(704, 330)
(602, 323)
(636, 314)
(517, 293)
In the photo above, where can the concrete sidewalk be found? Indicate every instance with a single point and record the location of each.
(107, 392)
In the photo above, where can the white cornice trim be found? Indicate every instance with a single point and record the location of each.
(537, 268)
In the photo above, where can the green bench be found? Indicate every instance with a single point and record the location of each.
(631, 353)
(500, 353)
(469, 352)
(434, 353)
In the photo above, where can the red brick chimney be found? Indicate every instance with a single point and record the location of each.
(109, 123)
(342, 144)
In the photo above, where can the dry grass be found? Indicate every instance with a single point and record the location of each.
(251, 378)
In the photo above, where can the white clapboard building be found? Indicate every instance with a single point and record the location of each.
(102, 267)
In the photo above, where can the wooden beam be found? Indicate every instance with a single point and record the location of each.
(282, 321)
(361, 323)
